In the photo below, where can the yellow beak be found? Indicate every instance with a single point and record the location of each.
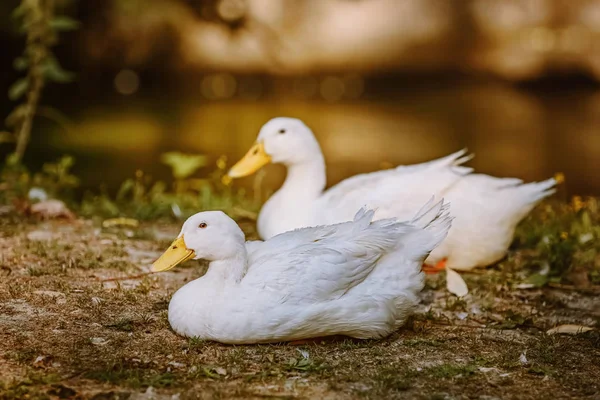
(254, 159)
(175, 254)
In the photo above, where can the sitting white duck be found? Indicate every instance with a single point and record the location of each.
(360, 278)
(486, 209)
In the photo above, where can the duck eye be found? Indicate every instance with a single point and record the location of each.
(202, 225)
(282, 131)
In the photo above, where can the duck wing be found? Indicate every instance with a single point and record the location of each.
(312, 265)
(396, 192)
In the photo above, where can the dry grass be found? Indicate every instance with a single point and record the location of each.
(66, 334)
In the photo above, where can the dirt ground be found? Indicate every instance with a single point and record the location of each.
(67, 332)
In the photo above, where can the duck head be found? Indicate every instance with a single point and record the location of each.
(282, 140)
(209, 235)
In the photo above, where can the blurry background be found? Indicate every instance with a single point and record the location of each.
(379, 81)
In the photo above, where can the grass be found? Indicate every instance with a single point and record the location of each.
(447, 371)
(132, 376)
(95, 337)
(563, 242)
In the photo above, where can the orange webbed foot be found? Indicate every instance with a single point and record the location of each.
(435, 269)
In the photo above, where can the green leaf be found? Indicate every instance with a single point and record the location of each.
(6, 137)
(20, 63)
(538, 280)
(54, 72)
(16, 116)
(64, 23)
(18, 12)
(12, 160)
(125, 189)
(18, 89)
(183, 165)
(586, 221)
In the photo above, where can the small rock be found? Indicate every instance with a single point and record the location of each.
(49, 293)
(37, 194)
(221, 371)
(462, 315)
(39, 236)
(52, 209)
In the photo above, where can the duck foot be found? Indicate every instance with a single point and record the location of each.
(435, 269)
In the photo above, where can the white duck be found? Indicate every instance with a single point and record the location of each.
(486, 209)
(358, 278)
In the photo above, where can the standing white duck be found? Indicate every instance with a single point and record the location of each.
(359, 278)
(486, 209)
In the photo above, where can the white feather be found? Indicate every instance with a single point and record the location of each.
(358, 278)
(486, 209)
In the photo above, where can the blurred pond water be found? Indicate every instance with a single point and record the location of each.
(514, 132)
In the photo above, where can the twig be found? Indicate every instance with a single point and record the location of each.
(588, 289)
(457, 326)
(37, 49)
(125, 278)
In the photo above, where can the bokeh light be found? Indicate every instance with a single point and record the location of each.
(127, 82)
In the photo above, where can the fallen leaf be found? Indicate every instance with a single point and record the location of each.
(569, 329)
(108, 223)
(96, 300)
(98, 341)
(455, 283)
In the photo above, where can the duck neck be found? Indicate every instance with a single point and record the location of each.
(229, 270)
(306, 178)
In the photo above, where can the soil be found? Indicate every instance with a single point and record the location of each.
(68, 331)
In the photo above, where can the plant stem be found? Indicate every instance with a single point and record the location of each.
(39, 38)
